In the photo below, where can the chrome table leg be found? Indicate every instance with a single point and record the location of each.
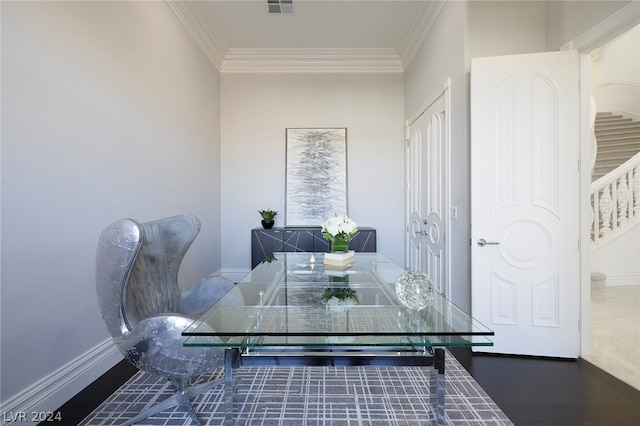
(437, 387)
(231, 362)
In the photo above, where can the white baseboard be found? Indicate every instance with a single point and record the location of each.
(52, 391)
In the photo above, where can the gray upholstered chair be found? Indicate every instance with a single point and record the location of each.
(144, 309)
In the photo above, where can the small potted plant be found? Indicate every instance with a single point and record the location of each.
(267, 218)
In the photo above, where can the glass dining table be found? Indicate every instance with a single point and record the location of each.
(291, 310)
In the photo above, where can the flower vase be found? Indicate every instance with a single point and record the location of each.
(339, 245)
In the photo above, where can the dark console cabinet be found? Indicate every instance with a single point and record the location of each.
(264, 242)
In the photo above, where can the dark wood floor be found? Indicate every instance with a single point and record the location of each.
(530, 391)
(542, 391)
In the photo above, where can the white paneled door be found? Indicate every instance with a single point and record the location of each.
(427, 193)
(525, 202)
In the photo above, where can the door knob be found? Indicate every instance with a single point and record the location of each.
(482, 242)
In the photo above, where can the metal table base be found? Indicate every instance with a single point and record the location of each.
(338, 356)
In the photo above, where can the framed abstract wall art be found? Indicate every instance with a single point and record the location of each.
(316, 175)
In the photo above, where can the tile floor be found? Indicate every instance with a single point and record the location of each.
(615, 332)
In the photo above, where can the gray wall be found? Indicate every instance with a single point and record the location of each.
(442, 55)
(256, 110)
(109, 110)
(463, 31)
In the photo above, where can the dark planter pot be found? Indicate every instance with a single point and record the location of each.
(268, 224)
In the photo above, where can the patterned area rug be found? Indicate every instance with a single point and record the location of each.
(313, 396)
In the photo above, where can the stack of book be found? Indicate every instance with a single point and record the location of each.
(339, 261)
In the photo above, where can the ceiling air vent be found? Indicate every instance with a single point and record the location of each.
(280, 6)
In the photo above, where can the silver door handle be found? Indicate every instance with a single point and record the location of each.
(482, 242)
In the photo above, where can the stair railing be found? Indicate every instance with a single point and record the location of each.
(615, 201)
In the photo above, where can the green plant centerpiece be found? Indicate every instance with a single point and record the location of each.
(339, 295)
(268, 217)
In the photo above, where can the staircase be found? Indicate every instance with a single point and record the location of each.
(618, 140)
(615, 188)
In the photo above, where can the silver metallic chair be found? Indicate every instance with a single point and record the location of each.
(144, 309)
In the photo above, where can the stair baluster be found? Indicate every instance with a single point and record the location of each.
(636, 192)
(623, 200)
(606, 207)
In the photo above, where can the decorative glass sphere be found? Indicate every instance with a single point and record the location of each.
(414, 290)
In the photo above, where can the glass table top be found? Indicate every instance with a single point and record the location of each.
(293, 300)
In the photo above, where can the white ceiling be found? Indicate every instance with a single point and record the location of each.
(320, 35)
(326, 24)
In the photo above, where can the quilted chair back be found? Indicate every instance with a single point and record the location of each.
(118, 248)
(153, 284)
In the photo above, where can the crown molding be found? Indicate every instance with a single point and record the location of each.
(618, 23)
(194, 17)
(423, 17)
(287, 60)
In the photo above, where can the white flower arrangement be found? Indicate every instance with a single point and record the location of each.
(339, 227)
(338, 305)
